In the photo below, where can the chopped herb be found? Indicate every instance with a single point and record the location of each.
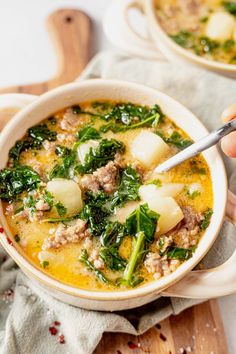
(204, 19)
(157, 182)
(62, 220)
(62, 151)
(76, 109)
(17, 238)
(14, 181)
(88, 133)
(199, 45)
(196, 169)
(102, 106)
(179, 253)
(228, 45)
(183, 38)
(177, 140)
(128, 188)
(230, 6)
(193, 195)
(45, 264)
(52, 120)
(29, 203)
(47, 196)
(206, 219)
(62, 170)
(84, 259)
(100, 156)
(60, 209)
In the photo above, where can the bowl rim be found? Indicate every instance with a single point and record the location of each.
(155, 286)
(166, 40)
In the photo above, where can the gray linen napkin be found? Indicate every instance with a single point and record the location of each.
(27, 314)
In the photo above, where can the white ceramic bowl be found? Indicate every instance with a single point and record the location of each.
(198, 284)
(121, 32)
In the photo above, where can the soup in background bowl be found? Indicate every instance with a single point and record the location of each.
(207, 28)
(83, 213)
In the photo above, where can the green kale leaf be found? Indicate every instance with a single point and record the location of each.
(88, 133)
(84, 258)
(126, 116)
(206, 219)
(230, 6)
(14, 181)
(100, 156)
(128, 188)
(34, 138)
(111, 239)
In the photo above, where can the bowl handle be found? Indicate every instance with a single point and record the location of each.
(119, 30)
(11, 103)
(210, 283)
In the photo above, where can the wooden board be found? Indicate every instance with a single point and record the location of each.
(199, 328)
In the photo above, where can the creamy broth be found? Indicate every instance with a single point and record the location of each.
(205, 27)
(63, 228)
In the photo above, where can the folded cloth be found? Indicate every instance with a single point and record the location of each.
(28, 315)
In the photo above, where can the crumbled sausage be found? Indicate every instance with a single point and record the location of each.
(10, 209)
(69, 120)
(41, 205)
(96, 259)
(189, 7)
(39, 169)
(67, 234)
(90, 183)
(49, 146)
(139, 169)
(107, 177)
(166, 242)
(66, 138)
(188, 229)
(160, 266)
(104, 177)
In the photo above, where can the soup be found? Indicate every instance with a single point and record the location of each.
(84, 205)
(207, 28)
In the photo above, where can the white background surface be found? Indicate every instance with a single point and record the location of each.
(27, 56)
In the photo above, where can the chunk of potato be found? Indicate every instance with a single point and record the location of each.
(121, 214)
(84, 149)
(166, 190)
(66, 192)
(170, 212)
(148, 148)
(221, 26)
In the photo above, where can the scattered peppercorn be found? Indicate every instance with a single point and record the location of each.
(17, 238)
(132, 345)
(53, 330)
(61, 339)
(162, 337)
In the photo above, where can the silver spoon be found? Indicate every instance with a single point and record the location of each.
(195, 149)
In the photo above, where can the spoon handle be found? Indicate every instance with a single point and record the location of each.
(194, 149)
